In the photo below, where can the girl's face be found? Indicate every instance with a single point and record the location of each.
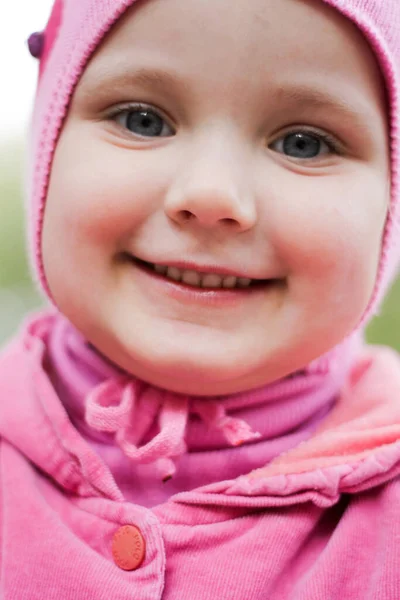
(220, 139)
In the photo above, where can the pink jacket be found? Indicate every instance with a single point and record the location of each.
(320, 522)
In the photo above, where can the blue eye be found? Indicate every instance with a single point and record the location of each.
(143, 122)
(303, 145)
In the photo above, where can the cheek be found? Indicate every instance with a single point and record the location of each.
(98, 196)
(329, 235)
(101, 192)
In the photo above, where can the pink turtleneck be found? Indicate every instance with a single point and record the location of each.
(145, 434)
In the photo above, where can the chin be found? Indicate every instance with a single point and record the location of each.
(203, 376)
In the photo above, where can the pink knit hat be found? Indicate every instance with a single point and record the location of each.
(76, 28)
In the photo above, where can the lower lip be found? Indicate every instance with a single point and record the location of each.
(209, 297)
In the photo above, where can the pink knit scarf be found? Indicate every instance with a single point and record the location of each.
(133, 424)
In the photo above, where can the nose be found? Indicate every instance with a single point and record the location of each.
(213, 188)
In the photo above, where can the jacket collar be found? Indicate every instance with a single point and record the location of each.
(355, 448)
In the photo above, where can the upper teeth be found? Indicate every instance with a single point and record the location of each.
(205, 280)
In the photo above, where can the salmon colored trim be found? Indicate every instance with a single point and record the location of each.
(366, 418)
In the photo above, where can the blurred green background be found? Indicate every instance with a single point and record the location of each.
(17, 294)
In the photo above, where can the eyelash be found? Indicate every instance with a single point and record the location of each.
(333, 144)
(126, 108)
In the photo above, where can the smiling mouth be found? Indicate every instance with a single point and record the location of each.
(198, 279)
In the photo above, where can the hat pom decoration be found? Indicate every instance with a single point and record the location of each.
(36, 44)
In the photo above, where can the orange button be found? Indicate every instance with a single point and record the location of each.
(128, 548)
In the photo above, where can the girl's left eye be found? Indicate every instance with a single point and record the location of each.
(143, 122)
(305, 145)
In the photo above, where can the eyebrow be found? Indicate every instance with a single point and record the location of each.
(100, 82)
(307, 97)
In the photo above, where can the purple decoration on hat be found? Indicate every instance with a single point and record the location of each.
(36, 44)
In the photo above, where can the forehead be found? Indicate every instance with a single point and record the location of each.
(241, 45)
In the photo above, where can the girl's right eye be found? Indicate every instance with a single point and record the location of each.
(143, 122)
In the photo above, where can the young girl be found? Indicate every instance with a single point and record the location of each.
(214, 216)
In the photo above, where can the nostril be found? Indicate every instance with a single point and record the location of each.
(186, 215)
(229, 222)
